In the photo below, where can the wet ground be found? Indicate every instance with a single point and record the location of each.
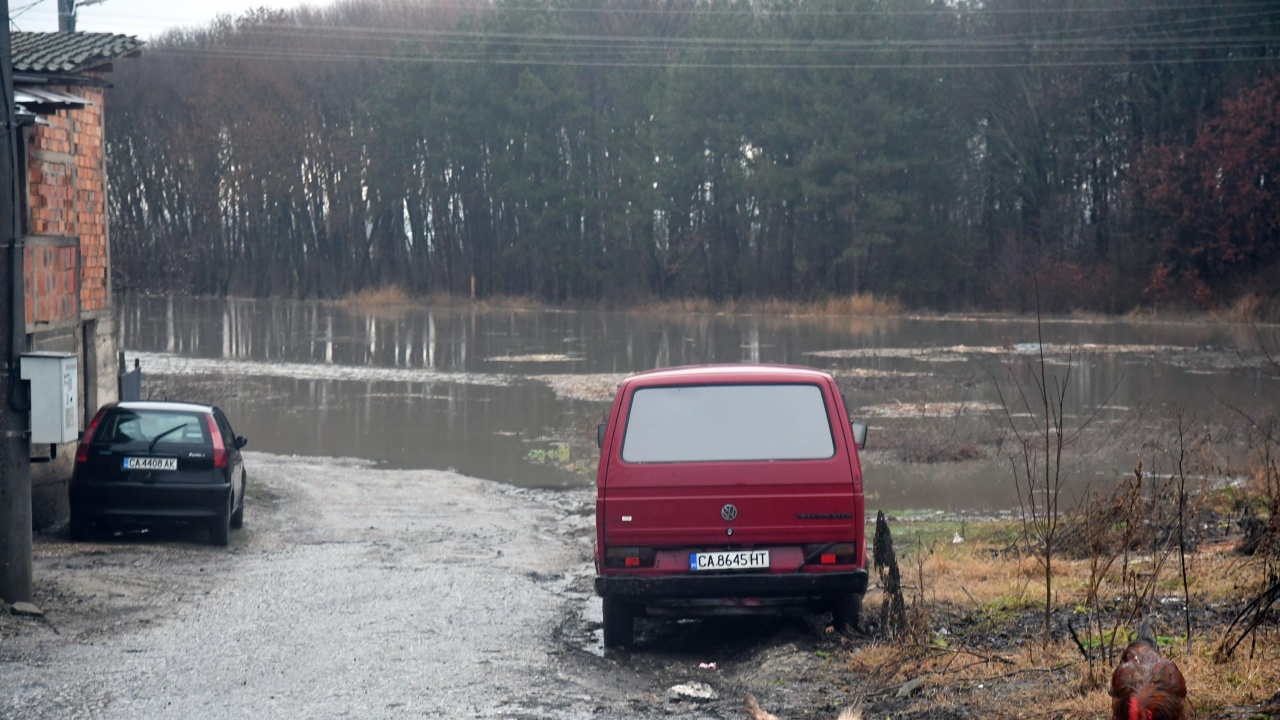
(365, 593)
(359, 592)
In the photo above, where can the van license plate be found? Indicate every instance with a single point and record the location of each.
(150, 463)
(733, 560)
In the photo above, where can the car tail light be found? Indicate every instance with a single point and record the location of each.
(82, 450)
(219, 450)
(830, 554)
(628, 557)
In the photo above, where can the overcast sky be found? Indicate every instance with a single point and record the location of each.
(143, 18)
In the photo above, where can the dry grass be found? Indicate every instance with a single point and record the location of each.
(850, 306)
(393, 296)
(975, 592)
(386, 296)
(853, 306)
(1251, 307)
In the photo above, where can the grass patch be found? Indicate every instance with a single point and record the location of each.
(984, 656)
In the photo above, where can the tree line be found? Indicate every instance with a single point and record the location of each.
(1073, 154)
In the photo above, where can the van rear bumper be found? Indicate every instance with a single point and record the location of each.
(690, 586)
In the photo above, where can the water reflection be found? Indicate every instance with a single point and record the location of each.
(491, 393)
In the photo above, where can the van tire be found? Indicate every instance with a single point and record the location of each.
(845, 612)
(619, 623)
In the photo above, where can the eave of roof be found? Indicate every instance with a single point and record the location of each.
(47, 52)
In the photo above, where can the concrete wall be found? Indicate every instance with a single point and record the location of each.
(66, 273)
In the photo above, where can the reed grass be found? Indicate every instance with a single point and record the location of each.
(859, 305)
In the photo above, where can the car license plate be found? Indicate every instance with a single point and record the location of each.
(732, 560)
(150, 463)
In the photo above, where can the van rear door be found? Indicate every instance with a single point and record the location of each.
(730, 465)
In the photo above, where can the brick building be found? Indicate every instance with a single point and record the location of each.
(59, 90)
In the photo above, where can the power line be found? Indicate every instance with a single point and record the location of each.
(607, 48)
(313, 55)
(1156, 38)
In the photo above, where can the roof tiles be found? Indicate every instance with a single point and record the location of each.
(69, 52)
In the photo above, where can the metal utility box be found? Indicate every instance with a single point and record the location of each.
(53, 396)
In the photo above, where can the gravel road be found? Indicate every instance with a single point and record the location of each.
(355, 592)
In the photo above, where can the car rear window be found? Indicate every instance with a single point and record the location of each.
(727, 423)
(161, 426)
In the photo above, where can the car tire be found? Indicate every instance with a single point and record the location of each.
(845, 612)
(237, 517)
(81, 528)
(619, 623)
(220, 526)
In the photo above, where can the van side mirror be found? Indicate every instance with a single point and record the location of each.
(859, 434)
(241, 441)
(600, 435)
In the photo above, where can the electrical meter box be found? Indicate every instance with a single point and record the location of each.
(53, 396)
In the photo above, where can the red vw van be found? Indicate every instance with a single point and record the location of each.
(728, 489)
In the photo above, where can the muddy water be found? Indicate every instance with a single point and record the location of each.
(513, 395)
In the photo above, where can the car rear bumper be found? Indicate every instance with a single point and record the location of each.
(799, 585)
(149, 500)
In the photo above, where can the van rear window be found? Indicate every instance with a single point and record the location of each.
(727, 422)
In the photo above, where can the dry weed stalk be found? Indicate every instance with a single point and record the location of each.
(1036, 417)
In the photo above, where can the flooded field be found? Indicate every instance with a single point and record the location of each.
(514, 396)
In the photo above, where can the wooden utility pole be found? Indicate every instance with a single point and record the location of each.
(15, 447)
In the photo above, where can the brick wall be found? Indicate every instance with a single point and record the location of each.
(67, 196)
(66, 283)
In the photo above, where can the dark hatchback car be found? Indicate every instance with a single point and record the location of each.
(158, 461)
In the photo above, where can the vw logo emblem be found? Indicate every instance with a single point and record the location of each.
(729, 512)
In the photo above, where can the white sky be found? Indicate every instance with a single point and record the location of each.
(143, 18)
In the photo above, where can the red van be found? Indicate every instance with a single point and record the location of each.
(728, 489)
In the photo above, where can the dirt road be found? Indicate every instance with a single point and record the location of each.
(363, 593)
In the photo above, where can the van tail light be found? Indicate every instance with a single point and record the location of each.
(219, 450)
(628, 557)
(82, 450)
(830, 554)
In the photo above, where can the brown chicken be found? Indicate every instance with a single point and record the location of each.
(1144, 685)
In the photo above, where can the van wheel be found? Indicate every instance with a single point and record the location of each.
(619, 623)
(845, 610)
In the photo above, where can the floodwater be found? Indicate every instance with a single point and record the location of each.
(514, 395)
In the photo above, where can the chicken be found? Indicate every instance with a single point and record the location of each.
(1144, 685)
(754, 712)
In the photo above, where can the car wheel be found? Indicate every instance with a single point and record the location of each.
(845, 610)
(81, 527)
(237, 517)
(220, 526)
(619, 623)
